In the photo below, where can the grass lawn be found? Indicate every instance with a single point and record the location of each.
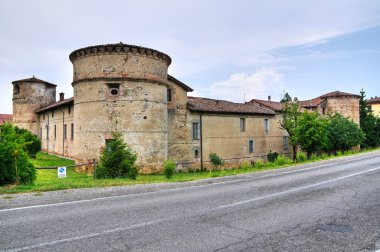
(47, 180)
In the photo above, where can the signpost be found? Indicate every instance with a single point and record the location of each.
(61, 172)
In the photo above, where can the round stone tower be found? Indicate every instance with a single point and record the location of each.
(30, 95)
(121, 88)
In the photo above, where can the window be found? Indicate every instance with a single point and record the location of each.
(52, 113)
(250, 146)
(286, 142)
(40, 133)
(108, 145)
(72, 131)
(65, 131)
(114, 88)
(266, 126)
(369, 108)
(43, 116)
(55, 132)
(196, 153)
(16, 89)
(242, 124)
(195, 131)
(47, 132)
(169, 95)
(69, 109)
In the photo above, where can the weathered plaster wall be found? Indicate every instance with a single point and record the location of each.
(221, 134)
(28, 98)
(55, 142)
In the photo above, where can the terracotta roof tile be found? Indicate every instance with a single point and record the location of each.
(5, 118)
(199, 104)
(34, 80)
(338, 94)
(276, 106)
(375, 100)
(56, 104)
(311, 103)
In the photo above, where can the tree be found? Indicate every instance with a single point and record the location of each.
(32, 142)
(215, 160)
(291, 113)
(311, 132)
(369, 123)
(15, 165)
(117, 160)
(343, 133)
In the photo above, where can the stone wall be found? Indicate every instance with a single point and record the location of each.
(346, 106)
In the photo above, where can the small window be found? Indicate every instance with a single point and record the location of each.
(55, 132)
(169, 95)
(114, 88)
(266, 126)
(242, 124)
(16, 89)
(369, 108)
(65, 131)
(196, 153)
(43, 116)
(250, 146)
(108, 145)
(40, 133)
(286, 142)
(52, 113)
(47, 132)
(72, 131)
(69, 109)
(195, 131)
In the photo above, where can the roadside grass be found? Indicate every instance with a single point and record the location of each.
(47, 180)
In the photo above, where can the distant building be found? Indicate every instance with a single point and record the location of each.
(125, 88)
(374, 105)
(5, 118)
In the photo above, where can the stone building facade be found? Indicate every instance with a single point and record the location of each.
(126, 88)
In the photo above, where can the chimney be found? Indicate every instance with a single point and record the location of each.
(61, 96)
(269, 98)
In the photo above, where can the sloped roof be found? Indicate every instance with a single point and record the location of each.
(276, 106)
(199, 104)
(5, 118)
(338, 94)
(311, 103)
(375, 100)
(180, 83)
(56, 104)
(34, 80)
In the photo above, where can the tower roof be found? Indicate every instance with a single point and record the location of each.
(34, 80)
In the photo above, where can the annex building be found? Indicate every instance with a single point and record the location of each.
(126, 88)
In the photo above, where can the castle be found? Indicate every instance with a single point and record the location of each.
(126, 88)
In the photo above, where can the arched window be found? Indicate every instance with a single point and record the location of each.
(16, 89)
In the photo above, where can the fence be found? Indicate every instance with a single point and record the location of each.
(87, 167)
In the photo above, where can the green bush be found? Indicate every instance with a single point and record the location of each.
(117, 160)
(325, 156)
(259, 163)
(246, 165)
(282, 160)
(32, 142)
(169, 168)
(301, 157)
(314, 157)
(272, 156)
(14, 161)
(215, 160)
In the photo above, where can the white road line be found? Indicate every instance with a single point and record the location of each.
(163, 220)
(247, 178)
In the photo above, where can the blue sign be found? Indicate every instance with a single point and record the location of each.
(61, 172)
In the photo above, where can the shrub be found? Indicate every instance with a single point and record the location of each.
(259, 163)
(339, 153)
(117, 160)
(169, 168)
(32, 142)
(301, 157)
(14, 161)
(215, 160)
(314, 157)
(282, 160)
(324, 156)
(272, 156)
(246, 165)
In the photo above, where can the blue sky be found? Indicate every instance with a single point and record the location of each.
(232, 50)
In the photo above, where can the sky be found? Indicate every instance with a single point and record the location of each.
(229, 50)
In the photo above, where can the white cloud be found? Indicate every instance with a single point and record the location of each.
(240, 86)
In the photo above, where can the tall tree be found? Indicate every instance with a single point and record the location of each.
(291, 112)
(369, 123)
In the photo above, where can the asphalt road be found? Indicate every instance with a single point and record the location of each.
(324, 206)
